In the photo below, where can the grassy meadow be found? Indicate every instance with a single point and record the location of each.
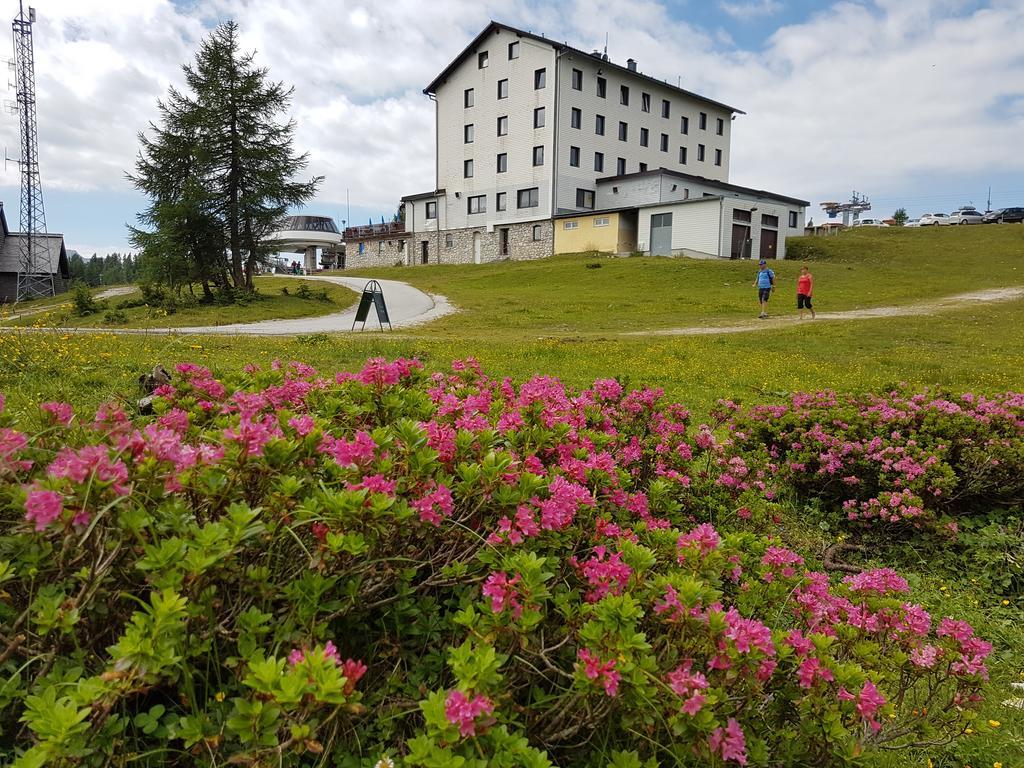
(567, 317)
(270, 302)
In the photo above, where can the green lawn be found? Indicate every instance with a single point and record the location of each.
(588, 294)
(271, 303)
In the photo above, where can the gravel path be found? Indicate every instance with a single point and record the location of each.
(108, 293)
(957, 301)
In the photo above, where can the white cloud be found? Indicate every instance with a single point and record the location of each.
(859, 95)
(749, 10)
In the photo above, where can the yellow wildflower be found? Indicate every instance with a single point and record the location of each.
(994, 723)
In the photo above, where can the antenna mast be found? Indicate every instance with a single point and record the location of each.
(36, 275)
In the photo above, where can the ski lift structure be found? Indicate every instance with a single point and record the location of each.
(851, 210)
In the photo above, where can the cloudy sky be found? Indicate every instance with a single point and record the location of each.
(915, 103)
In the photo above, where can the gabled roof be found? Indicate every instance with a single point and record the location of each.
(53, 252)
(424, 195)
(703, 180)
(565, 47)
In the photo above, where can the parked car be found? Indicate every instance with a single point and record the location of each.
(1004, 216)
(870, 223)
(966, 216)
(933, 219)
(912, 223)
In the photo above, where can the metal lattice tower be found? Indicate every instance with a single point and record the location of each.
(36, 275)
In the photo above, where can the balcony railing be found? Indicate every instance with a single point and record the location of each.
(376, 230)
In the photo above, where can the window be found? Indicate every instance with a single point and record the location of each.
(645, 102)
(664, 142)
(682, 155)
(577, 79)
(769, 221)
(467, 134)
(380, 246)
(718, 157)
(476, 204)
(740, 215)
(449, 240)
(467, 169)
(623, 132)
(503, 125)
(432, 210)
(684, 124)
(538, 117)
(574, 157)
(500, 201)
(602, 88)
(624, 95)
(537, 232)
(538, 155)
(503, 89)
(703, 121)
(481, 60)
(539, 78)
(620, 166)
(513, 51)
(643, 167)
(666, 108)
(571, 225)
(527, 198)
(576, 118)
(720, 126)
(502, 162)
(599, 162)
(585, 198)
(362, 247)
(468, 96)
(643, 137)
(700, 153)
(792, 219)
(599, 125)
(601, 221)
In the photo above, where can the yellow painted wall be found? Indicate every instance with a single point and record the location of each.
(587, 237)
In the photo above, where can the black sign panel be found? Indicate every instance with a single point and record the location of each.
(372, 294)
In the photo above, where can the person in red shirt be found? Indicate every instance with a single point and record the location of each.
(804, 288)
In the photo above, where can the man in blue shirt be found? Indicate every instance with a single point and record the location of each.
(764, 284)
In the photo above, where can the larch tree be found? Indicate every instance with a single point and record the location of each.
(219, 169)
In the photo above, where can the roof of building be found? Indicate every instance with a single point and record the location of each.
(423, 195)
(53, 252)
(703, 180)
(475, 42)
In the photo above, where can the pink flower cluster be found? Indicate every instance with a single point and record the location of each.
(466, 711)
(780, 561)
(605, 573)
(434, 505)
(688, 685)
(729, 742)
(602, 671)
(504, 593)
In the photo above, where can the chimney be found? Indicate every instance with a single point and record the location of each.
(631, 65)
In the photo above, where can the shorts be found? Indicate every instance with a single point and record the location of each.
(803, 301)
(763, 294)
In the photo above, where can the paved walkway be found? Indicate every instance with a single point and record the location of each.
(407, 306)
(109, 293)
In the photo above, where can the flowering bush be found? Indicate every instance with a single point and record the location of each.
(912, 459)
(441, 570)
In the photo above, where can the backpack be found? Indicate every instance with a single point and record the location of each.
(771, 277)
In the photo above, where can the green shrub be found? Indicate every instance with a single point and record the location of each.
(85, 304)
(115, 317)
(450, 570)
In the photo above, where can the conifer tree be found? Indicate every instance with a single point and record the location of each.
(219, 169)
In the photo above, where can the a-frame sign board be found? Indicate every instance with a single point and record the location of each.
(372, 294)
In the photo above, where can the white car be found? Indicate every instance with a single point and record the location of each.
(912, 223)
(933, 219)
(966, 216)
(870, 223)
